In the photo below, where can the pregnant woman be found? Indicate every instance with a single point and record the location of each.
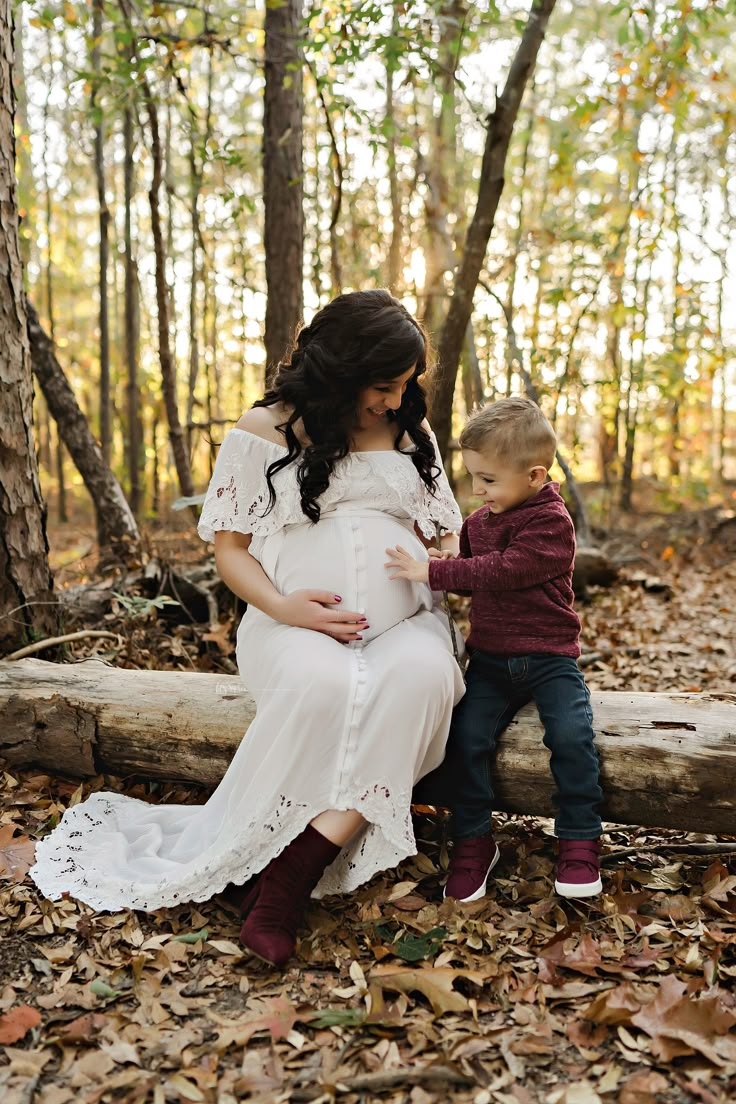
(353, 675)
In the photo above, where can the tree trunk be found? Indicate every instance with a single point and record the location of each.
(135, 434)
(282, 178)
(439, 250)
(59, 452)
(394, 251)
(166, 359)
(498, 137)
(117, 531)
(104, 224)
(668, 760)
(27, 604)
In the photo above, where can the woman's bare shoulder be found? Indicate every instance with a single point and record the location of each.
(262, 422)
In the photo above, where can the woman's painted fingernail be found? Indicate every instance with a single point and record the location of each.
(338, 598)
(365, 626)
(358, 636)
(362, 618)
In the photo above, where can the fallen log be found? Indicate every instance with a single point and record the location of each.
(667, 760)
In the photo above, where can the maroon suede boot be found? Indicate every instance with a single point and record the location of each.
(275, 905)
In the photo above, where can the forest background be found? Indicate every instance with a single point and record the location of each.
(610, 266)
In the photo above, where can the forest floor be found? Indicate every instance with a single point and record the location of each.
(395, 995)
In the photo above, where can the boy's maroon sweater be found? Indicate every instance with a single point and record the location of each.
(517, 566)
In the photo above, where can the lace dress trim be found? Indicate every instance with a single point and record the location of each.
(68, 861)
(237, 496)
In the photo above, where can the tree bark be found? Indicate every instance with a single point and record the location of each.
(394, 250)
(166, 358)
(439, 250)
(282, 178)
(500, 127)
(668, 760)
(104, 225)
(117, 531)
(27, 603)
(135, 430)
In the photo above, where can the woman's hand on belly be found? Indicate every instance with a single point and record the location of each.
(320, 611)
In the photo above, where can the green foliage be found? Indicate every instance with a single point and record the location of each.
(620, 162)
(410, 947)
(139, 608)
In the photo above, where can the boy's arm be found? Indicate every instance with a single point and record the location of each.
(542, 550)
(463, 554)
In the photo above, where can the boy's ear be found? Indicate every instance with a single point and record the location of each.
(537, 475)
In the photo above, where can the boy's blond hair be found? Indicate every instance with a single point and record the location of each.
(515, 429)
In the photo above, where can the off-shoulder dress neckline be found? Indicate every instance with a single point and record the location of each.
(353, 452)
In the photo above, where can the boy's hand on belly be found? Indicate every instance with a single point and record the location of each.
(405, 566)
(320, 611)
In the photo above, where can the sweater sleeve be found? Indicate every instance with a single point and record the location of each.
(541, 550)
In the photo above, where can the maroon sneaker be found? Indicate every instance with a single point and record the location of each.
(471, 861)
(579, 868)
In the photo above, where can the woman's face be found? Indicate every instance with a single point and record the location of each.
(375, 402)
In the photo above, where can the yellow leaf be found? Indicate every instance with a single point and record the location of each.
(184, 1087)
(436, 985)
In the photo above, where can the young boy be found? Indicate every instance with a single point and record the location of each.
(516, 559)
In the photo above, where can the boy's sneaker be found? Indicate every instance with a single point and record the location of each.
(471, 861)
(578, 868)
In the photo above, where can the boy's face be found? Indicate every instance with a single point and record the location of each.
(499, 483)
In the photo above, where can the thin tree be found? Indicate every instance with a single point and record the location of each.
(392, 60)
(117, 532)
(104, 223)
(498, 136)
(165, 355)
(135, 434)
(282, 176)
(59, 455)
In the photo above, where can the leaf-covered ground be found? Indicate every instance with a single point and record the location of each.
(394, 994)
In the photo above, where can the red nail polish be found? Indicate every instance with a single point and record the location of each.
(338, 598)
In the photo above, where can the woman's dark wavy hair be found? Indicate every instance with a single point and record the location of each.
(359, 339)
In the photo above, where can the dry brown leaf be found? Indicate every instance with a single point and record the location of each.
(17, 854)
(276, 1015)
(615, 1006)
(679, 1024)
(643, 1087)
(83, 1029)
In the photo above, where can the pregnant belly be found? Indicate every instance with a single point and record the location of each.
(345, 554)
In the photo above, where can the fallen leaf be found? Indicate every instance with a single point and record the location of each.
(643, 1087)
(83, 1029)
(436, 985)
(276, 1015)
(616, 1006)
(16, 1023)
(17, 854)
(679, 1025)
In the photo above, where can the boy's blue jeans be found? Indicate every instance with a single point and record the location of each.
(497, 687)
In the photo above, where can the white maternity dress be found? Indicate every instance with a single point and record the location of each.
(337, 726)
